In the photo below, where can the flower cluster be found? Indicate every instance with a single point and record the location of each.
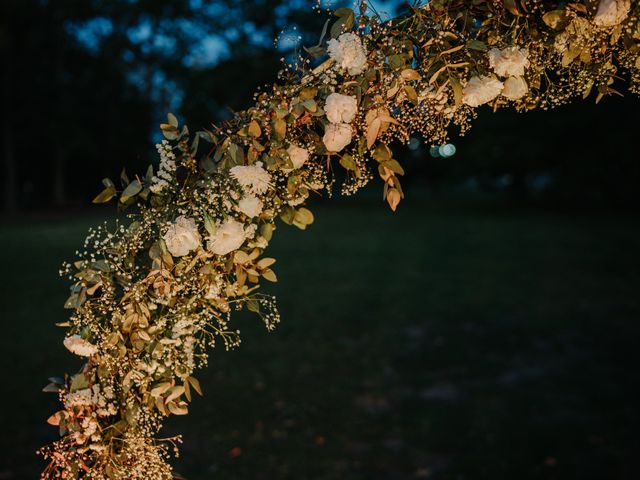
(341, 110)
(167, 168)
(152, 297)
(348, 53)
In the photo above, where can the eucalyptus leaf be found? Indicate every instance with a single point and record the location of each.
(131, 191)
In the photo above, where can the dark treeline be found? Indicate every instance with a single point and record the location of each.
(84, 84)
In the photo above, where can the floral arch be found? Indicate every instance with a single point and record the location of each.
(149, 297)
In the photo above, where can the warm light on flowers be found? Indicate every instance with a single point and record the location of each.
(297, 155)
(341, 108)
(509, 62)
(349, 53)
(151, 297)
(252, 178)
(229, 236)
(250, 205)
(481, 90)
(182, 237)
(76, 344)
(515, 88)
(337, 136)
(611, 12)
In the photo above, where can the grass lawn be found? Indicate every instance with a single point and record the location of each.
(440, 343)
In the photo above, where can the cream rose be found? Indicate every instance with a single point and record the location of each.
(515, 88)
(229, 236)
(480, 90)
(182, 237)
(250, 205)
(509, 62)
(348, 53)
(337, 136)
(341, 108)
(611, 12)
(298, 155)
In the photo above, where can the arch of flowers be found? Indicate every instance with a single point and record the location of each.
(150, 296)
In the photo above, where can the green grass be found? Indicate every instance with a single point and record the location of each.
(442, 343)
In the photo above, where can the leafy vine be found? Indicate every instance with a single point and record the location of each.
(151, 296)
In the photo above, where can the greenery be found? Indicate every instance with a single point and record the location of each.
(151, 295)
(506, 351)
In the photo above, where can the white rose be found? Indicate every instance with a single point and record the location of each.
(509, 62)
(229, 236)
(252, 178)
(250, 205)
(515, 88)
(76, 344)
(182, 237)
(337, 136)
(480, 90)
(611, 12)
(298, 155)
(348, 53)
(341, 108)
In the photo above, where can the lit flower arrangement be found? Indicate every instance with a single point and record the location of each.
(151, 297)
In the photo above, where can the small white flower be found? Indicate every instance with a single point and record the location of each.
(252, 178)
(229, 236)
(298, 200)
(76, 344)
(561, 43)
(250, 205)
(611, 12)
(250, 231)
(349, 53)
(298, 155)
(509, 62)
(515, 88)
(213, 292)
(337, 136)
(167, 168)
(341, 108)
(182, 237)
(480, 90)
(79, 398)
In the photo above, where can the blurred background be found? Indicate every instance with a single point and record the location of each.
(487, 330)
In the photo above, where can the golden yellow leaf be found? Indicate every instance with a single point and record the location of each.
(254, 129)
(270, 275)
(372, 131)
(393, 198)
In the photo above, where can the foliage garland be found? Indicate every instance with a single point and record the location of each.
(150, 297)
